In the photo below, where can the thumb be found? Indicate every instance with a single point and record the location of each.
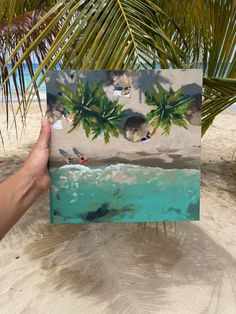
(44, 136)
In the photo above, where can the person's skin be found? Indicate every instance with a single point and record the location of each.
(19, 191)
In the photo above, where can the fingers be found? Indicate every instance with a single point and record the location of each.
(44, 136)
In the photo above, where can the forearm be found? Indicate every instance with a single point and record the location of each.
(17, 193)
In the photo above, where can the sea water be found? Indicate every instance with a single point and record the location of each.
(123, 193)
(42, 89)
(27, 80)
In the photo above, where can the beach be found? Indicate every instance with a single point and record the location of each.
(179, 149)
(125, 268)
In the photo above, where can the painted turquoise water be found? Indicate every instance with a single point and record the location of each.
(123, 193)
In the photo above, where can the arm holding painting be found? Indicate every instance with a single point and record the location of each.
(20, 190)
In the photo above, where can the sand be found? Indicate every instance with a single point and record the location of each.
(160, 150)
(179, 149)
(124, 268)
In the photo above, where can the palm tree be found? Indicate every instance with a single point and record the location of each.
(91, 107)
(169, 107)
(107, 118)
(81, 101)
(119, 34)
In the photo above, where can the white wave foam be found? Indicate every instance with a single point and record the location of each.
(121, 168)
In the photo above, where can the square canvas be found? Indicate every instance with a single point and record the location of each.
(125, 145)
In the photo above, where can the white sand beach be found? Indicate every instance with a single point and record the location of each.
(124, 268)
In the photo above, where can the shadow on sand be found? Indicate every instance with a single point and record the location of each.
(118, 263)
(123, 266)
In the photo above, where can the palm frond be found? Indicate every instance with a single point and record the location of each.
(209, 29)
(19, 29)
(168, 107)
(98, 34)
(219, 95)
(92, 108)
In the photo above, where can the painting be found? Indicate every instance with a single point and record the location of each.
(125, 145)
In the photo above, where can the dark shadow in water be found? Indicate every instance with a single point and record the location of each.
(93, 216)
(105, 211)
(192, 210)
(51, 101)
(116, 264)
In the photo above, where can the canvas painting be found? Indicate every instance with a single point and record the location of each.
(125, 145)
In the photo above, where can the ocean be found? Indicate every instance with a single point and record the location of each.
(27, 77)
(42, 90)
(123, 193)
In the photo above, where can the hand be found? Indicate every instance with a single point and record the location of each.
(36, 164)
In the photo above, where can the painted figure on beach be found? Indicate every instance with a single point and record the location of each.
(100, 169)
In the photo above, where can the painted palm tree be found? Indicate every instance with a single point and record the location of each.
(81, 102)
(90, 106)
(168, 108)
(124, 34)
(107, 119)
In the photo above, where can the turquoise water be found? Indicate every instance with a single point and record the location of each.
(42, 89)
(123, 193)
(26, 76)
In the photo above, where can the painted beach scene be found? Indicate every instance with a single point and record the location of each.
(125, 145)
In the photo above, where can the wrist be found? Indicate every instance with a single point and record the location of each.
(29, 182)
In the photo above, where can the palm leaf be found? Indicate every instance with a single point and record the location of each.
(168, 107)
(219, 95)
(19, 26)
(209, 29)
(92, 108)
(92, 35)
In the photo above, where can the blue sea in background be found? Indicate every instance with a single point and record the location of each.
(123, 193)
(42, 89)
(27, 76)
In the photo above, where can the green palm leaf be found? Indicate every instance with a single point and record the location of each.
(168, 107)
(209, 28)
(219, 95)
(92, 108)
(115, 34)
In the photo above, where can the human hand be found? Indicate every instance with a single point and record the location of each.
(35, 166)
